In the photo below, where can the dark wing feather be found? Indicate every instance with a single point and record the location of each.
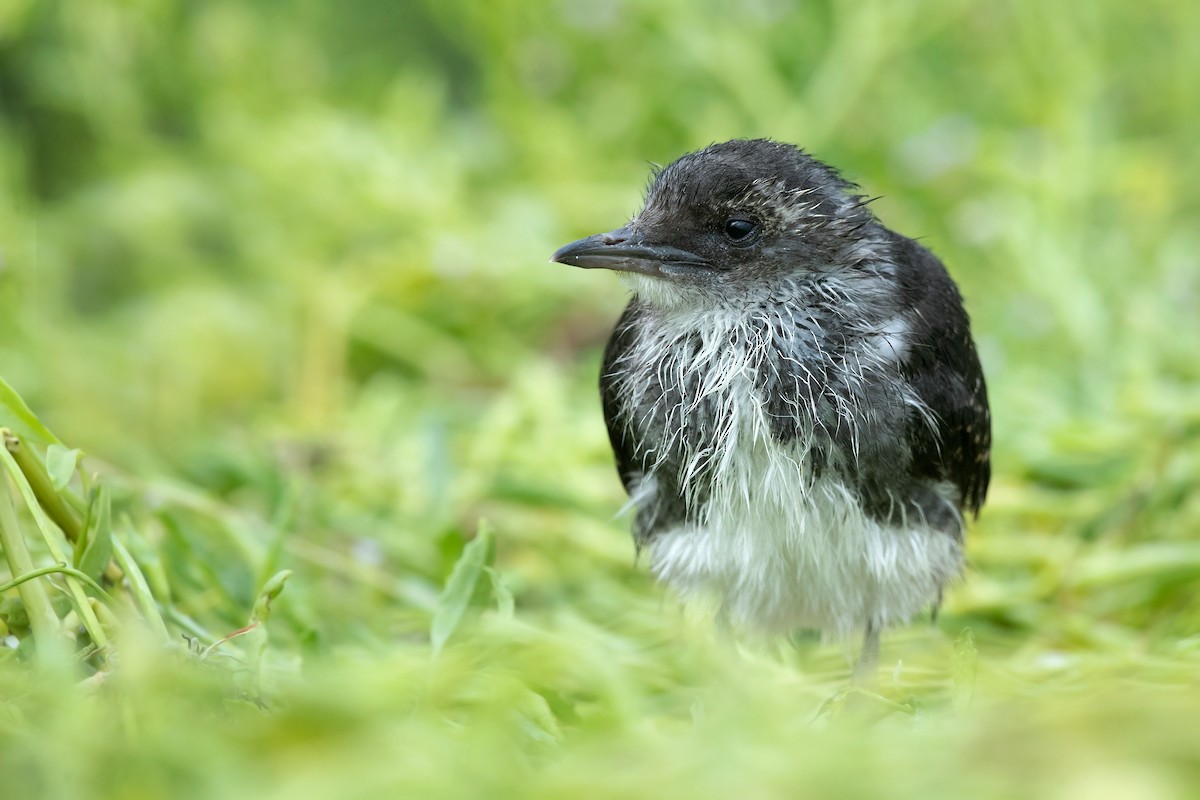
(619, 434)
(943, 369)
(659, 507)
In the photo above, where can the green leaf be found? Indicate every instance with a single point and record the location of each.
(97, 545)
(60, 464)
(503, 595)
(271, 589)
(537, 720)
(16, 415)
(460, 586)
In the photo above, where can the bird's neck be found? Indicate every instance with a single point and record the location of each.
(836, 303)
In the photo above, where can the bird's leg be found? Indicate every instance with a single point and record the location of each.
(868, 659)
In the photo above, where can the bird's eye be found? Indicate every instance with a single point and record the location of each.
(740, 231)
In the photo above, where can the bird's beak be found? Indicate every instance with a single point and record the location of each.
(626, 251)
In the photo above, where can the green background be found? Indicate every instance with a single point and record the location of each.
(280, 270)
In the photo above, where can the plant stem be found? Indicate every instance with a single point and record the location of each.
(139, 588)
(47, 628)
(74, 588)
(50, 500)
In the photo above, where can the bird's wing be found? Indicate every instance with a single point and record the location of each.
(619, 435)
(660, 503)
(954, 441)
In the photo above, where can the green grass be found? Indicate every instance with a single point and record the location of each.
(279, 271)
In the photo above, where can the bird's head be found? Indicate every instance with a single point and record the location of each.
(732, 221)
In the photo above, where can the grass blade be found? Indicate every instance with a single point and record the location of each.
(460, 586)
(60, 464)
(19, 417)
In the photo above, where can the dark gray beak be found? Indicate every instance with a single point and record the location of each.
(625, 251)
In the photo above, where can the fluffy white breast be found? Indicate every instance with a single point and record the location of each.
(776, 551)
(776, 547)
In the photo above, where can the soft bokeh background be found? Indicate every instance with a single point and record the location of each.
(280, 270)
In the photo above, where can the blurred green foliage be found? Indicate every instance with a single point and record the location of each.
(279, 269)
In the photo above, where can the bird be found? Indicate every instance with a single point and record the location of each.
(793, 397)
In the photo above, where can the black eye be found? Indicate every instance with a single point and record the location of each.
(740, 231)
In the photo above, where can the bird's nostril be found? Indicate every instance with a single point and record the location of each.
(613, 238)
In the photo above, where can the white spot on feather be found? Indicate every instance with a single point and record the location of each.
(890, 340)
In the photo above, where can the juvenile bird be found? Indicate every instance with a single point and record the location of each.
(793, 396)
